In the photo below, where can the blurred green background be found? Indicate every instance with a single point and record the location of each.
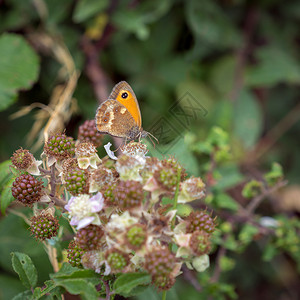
(238, 60)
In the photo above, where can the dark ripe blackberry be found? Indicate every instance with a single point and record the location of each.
(44, 226)
(60, 146)
(117, 260)
(136, 236)
(74, 255)
(77, 181)
(27, 189)
(200, 243)
(88, 132)
(128, 194)
(160, 262)
(22, 159)
(163, 283)
(89, 238)
(200, 220)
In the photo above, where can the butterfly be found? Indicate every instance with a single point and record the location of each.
(120, 114)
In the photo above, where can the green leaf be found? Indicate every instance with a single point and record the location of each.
(5, 173)
(247, 233)
(227, 263)
(81, 287)
(19, 67)
(27, 295)
(274, 66)
(247, 119)
(86, 9)
(50, 288)
(269, 252)
(22, 264)
(252, 189)
(69, 272)
(223, 200)
(275, 175)
(209, 22)
(127, 282)
(6, 196)
(229, 176)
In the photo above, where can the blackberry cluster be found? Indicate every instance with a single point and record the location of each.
(60, 146)
(77, 181)
(88, 132)
(160, 263)
(89, 238)
(22, 159)
(136, 236)
(74, 255)
(27, 189)
(200, 220)
(44, 226)
(128, 194)
(117, 260)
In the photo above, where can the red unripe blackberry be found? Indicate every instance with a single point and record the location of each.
(22, 159)
(89, 238)
(200, 220)
(200, 243)
(128, 194)
(160, 262)
(117, 260)
(74, 255)
(27, 189)
(60, 146)
(44, 226)
(88, 132)
(77, 181)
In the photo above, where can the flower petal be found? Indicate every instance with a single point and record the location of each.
(85, 222)
(110, 153)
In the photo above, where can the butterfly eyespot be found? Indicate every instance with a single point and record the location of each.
(124, 95)
(107, 114)
(105, 120)
(116, 110)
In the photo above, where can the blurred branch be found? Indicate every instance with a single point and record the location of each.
(271, 137)
(257, 200)
(191, 278)
(252, 18)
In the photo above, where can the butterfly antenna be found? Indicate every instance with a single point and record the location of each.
(151, 135)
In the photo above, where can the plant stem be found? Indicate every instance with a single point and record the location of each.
(176, 195)
(164, 295)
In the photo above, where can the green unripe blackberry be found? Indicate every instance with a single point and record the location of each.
(200, 220)
(200, 243)
(89, 237)
(108, 194)
(60, 146)
(44, 226)
(117, 260)
(128, 194)
(77, 181)
(27, 189)
(163, 283)
(74, 255)
(88, 132)
(22, 159)
(136, 236)
(160, 262)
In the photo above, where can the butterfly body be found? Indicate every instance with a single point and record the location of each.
(120, 115)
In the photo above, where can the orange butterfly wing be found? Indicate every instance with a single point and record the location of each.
(123, 93)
